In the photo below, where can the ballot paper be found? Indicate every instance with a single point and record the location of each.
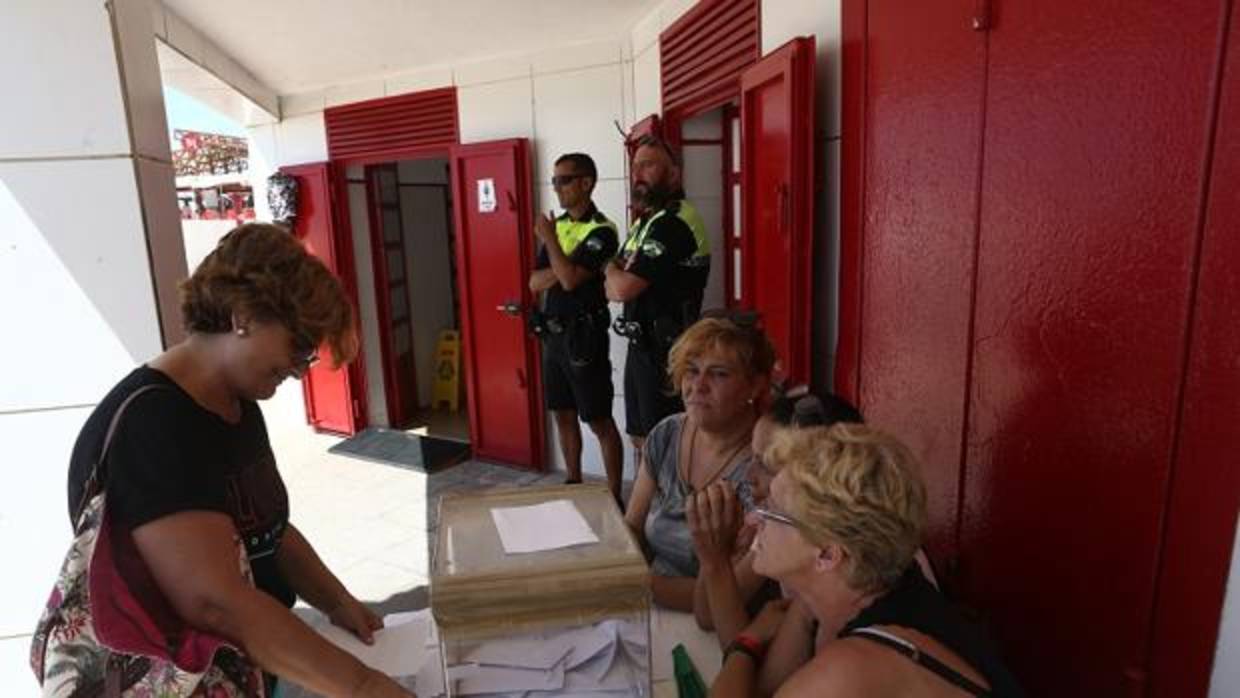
(546, 526)
(399, 648)
(594, 661)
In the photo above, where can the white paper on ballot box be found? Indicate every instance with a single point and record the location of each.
(546, 526)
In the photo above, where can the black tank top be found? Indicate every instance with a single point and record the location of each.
(914, 603)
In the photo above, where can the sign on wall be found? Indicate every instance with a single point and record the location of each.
(486, 196)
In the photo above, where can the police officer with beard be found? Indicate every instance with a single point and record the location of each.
(660, 276)
(574, 317)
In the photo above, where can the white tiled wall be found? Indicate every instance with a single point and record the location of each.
(76, 168)
(74, 271)
(495, 110)
(417, 81)
(300, 139)
(140, 69)
(577, 111)
(43, 113)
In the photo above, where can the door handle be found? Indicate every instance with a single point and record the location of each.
(510, 307)
(785, 209)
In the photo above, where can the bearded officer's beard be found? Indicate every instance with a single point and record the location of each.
(654, 196)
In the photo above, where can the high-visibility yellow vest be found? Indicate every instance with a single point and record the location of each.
(685, 211)
(571, 233)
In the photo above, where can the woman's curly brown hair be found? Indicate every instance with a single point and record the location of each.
(261, 271)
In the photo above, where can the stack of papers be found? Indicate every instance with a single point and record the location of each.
(546, 526)
(407, 649)
(607, 660)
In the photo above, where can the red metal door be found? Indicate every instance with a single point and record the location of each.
(908, 232)
(1090, 208)
(387, 244)
(777, 205)
(334, 397)
(491, 194)
(1205, 486)
(1031, 237)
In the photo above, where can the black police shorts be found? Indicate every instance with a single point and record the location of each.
(646, 392)
(581, 382)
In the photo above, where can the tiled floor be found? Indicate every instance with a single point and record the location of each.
(372, 524)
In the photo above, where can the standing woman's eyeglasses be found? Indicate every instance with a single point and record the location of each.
(305, 355)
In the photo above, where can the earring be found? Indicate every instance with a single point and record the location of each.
(243, 331)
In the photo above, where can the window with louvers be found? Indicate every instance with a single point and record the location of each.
(392, 124)
(704, 52)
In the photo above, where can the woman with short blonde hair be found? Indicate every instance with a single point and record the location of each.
(844, 520)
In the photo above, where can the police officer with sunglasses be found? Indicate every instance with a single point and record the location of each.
(573, 317)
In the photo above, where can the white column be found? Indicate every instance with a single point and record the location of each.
(90, 253)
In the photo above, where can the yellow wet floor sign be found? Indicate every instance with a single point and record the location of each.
(447, 370)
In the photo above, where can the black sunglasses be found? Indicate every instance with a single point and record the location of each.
(305, 355)
(564, 180)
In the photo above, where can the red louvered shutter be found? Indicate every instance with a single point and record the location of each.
(704, 52)
(383, 127)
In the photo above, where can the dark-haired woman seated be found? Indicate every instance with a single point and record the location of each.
(728, 591)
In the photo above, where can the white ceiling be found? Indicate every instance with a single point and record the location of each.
(179, 72)
(298, 45)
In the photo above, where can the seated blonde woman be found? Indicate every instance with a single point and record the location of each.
(843, 521)
(722, 367)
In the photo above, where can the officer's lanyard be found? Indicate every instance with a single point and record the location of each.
(641, 238)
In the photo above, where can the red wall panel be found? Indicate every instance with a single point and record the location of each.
(1040, 293)
(924, 123)
(1095, 142)
(1205, 485)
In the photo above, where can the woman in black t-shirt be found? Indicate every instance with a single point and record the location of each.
(190, 470)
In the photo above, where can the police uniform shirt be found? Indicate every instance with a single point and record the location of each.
(660, 258)
(592, 253)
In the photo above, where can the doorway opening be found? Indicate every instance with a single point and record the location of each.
(400, 214)
(710, 147)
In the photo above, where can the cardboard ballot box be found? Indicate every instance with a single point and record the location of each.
(540, 589)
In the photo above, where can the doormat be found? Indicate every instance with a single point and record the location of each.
(402, 449)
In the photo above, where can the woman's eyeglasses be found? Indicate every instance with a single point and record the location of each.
(777, 517)
(305, 355)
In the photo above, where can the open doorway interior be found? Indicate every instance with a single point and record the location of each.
(401, 218)
(712, 185)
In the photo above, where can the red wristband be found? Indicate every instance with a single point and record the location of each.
(750, 645)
